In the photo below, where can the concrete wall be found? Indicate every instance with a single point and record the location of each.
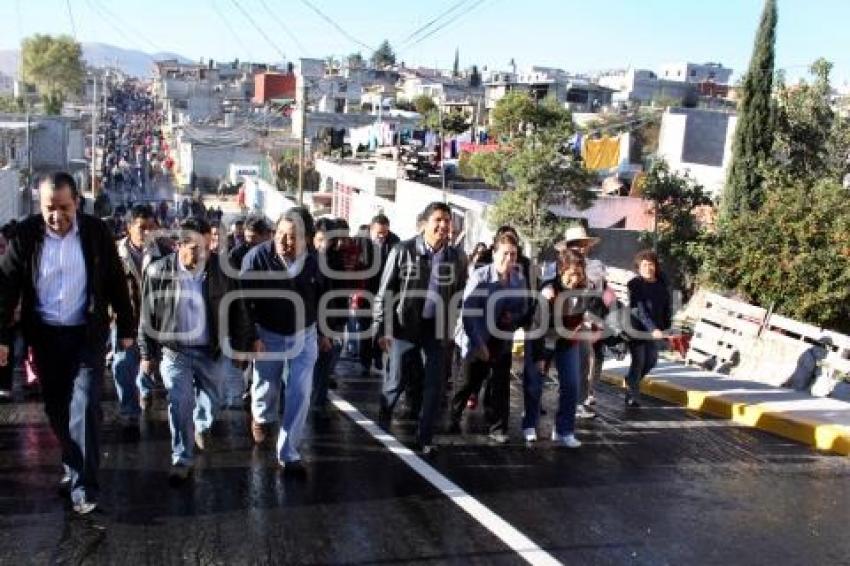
(10, 202)
(410, 199)
(698, 142)
(617, 248)
(50, 144)
(210, 162)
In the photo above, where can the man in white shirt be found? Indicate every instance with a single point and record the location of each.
(64, 270)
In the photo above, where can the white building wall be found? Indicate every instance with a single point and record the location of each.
(9, 198)
(671, 145)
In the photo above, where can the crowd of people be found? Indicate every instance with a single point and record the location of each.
(262, 314)
(135, 154)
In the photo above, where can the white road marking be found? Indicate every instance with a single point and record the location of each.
(514, 539)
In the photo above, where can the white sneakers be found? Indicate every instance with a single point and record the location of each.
(568, 440)
(582, 412)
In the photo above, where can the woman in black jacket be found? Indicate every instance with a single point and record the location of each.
(649, 300)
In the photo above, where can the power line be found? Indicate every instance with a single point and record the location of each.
(448, 23)
(231, 30)
(445, 13)
(256, 27)
(284, 27)
(109, 23)
(336, 25)
(71, 18)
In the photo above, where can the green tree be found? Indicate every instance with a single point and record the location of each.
(456, 66)
(754, 132)
(453, 122)
(534, 168)
(678, 235)
(811, 141)
(355, 60)
(792, 254)
(55, 66)
(384, 56)
(11, 104)
(424, 104)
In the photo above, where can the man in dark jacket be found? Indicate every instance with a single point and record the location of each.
(64, 269)
(415, 311)
(376, 249)
(181, 324)
(136, 252)
(283, 285)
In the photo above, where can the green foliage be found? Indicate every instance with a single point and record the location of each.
(287, 173)
(453, 122)
(355, 60)
(54, 65)
(678, 235)
(811, 141)
(12, 104)
(793, 254)
(754, 133)
(53, 102)
(456, 65)
(517, 116)
(384, 56)
(424, 104)
(534, 169)
(511, 114)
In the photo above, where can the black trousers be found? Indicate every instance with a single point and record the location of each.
(70, 370)
(497, 395)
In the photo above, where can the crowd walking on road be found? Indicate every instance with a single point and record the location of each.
(257, 315)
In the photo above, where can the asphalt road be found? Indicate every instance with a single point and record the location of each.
(656, 485)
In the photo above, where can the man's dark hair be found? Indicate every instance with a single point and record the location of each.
(325, 224)
(197, 225)
(141, 212)
(300, 215)
(434, 207)
(239, 222)
(257, 225)
(380, 219)
(59, 180)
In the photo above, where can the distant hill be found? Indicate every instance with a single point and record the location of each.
(132, 62)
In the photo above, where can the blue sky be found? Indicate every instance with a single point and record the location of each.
(572, 34)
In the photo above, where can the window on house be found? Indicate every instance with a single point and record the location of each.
(339, 105)
(693, 73)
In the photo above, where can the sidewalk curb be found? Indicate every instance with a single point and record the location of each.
(822, 436)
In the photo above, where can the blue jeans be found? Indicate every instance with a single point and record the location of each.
(291, 368)
(532, 389)
(71, 376)
(568, 365)
(395, 380)
(644, 356)
(130, 382)
(193, 379)
(325, 365)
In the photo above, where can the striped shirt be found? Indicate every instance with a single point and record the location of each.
(61, 284)
(192, 326)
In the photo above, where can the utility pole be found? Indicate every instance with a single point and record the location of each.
(303, 111)
(94, 137)
(442, 152)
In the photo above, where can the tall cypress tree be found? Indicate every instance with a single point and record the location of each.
(754, 133)
(456, 68)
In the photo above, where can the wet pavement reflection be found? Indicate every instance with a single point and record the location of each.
(653, 486)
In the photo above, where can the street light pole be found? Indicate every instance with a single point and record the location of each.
(94, 137)
(303, 111)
